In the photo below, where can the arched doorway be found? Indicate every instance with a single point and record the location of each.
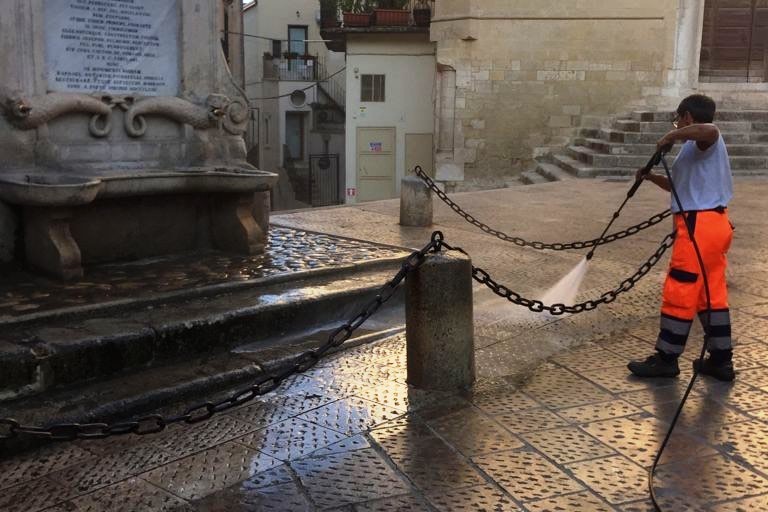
(734, 41)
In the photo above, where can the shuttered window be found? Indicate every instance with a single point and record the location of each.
(372, 88)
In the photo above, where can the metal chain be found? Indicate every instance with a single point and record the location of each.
(482, 277)
(154, 423)
(632, 230)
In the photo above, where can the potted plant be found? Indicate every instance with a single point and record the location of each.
(356, 13)
(391, 13)
(267, 56)
(422, 14)
(329, 14)
(290, 55)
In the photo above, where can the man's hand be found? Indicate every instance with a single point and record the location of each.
(640, 175)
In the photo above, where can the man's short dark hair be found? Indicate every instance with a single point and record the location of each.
(701, 107)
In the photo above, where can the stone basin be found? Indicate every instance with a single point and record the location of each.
(49, 189)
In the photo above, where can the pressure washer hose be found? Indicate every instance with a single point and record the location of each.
(672, 425)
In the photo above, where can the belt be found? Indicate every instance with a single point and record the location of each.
(718, 209)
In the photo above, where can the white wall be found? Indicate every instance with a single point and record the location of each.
(408, 61)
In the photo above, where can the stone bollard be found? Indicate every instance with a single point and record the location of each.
(415, 203)
(439, 328)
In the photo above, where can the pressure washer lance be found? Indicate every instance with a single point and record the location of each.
(689, 227)
(653, 162)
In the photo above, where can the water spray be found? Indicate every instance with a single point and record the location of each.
(565, 290)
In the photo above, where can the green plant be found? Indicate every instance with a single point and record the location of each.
(355, 6)
(390, 4)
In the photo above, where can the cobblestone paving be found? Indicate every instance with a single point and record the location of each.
(288, 251)
(576, 434)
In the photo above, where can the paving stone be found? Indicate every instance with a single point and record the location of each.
(559, 388)
(530, 420)
(183, 440)
(215, 469)
(504, 402)
(129, 496)
(473, 498)
(564, 445)
(756, 504)
(426, 460)
(290, 439)
(40, 462)
(615, 479)
(346, 478)
(639, 438)
(473, 433)
(34, 495)
(578, 501)
(542, 478)
(406, 503)
(599, 411)
(278, 498)
(111, 468)
(717, 478)
(351, 415)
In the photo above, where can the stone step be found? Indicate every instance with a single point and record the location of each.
(617, 148)
(626, 173)
(631, 125)
(173, 387)
(580, 169)
(720, 116)
(596, 159)
(42, 356)
(612, 135)
(553, 172)
(533, 178)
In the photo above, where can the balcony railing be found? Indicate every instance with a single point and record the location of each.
(419, 14)
(293, 67)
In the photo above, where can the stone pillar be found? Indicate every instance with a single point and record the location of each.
(439, 328)
(49, 244)
(415, 202)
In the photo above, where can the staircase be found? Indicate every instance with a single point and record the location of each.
(616, 152)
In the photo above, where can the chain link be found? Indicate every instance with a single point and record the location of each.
(586, 244)
(483, 277)
(154, 423)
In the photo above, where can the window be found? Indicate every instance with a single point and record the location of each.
(372, 88)
(276, 48)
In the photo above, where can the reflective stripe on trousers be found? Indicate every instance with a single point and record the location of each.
(684, 293)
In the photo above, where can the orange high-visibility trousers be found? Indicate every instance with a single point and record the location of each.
(684, 291)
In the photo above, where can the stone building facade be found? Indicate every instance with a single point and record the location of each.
(516, 77)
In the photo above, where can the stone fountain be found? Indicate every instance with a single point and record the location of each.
(121, 135)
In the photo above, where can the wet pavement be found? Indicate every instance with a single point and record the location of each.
(572, 433)
(289, 251)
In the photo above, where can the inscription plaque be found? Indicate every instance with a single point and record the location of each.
(113, 46)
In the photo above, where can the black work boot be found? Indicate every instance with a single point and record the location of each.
(719, 369)
(656, 365)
